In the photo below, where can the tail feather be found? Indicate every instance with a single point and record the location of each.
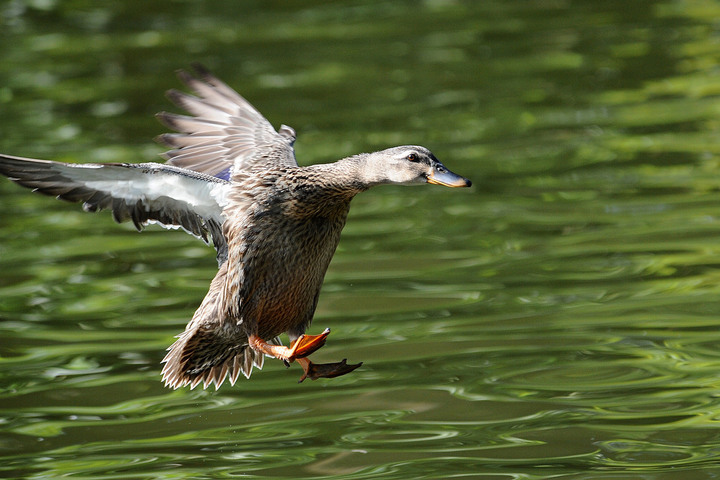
(207, 357)
(212, 347)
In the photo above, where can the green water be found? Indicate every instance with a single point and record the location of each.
(557, 320)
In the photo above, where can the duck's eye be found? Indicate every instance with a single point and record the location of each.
(412, 157)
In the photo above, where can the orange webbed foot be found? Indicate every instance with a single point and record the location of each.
(299, 350)
(325, 370)
(307, 344)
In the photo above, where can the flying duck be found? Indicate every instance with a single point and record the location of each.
(231, 179)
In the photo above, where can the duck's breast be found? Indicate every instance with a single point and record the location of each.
(288, 247)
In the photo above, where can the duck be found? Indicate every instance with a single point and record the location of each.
(231, 179)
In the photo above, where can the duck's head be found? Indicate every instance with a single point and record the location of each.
(407, 165)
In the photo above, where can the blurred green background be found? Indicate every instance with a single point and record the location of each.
(558, 320)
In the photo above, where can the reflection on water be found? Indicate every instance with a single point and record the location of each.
(556, 321)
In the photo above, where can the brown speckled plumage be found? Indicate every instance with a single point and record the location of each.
(280, 224)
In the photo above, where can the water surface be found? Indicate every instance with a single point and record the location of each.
(557, 320)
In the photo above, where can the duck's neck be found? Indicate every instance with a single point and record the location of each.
(346, 177)
(359, 172)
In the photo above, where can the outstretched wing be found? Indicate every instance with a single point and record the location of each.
(144, 193)
(226, 135)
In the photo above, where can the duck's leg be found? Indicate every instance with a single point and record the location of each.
(303, 346)
(324, 370)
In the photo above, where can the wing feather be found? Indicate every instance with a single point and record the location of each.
(142, 193)
(224, 132)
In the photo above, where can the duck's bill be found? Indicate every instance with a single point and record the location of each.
(446, 178)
